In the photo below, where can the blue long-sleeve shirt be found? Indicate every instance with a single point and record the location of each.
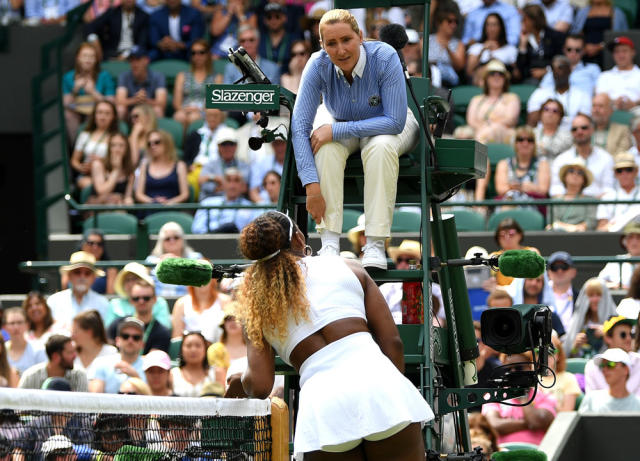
(374, 104)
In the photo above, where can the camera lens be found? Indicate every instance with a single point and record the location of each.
(501, 327)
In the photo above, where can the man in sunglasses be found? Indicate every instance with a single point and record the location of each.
(618, 334)
(615, 364)
(562, 296)
(596, 159)
(614, 217)
(618, 275)
(156, 335)
(111, 371)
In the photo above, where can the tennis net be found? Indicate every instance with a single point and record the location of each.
(55, 425)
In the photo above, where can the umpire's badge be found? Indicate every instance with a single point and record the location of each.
(374, 101)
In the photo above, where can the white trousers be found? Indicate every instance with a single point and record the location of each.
(380, 163)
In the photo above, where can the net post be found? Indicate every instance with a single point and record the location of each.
(279, 430)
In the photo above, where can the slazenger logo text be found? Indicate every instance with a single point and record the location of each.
(231, 96)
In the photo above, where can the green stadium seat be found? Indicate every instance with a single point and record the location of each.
(350, 219)
(112, 223)
(156, 220)
(529, 219)
(576, 365)
(169, 68)
(174, 128)
(468, 220)
(497, 152)
(579, 400)
(405, 221)
(174, 349)
(622, 116)
(462, 97)
(86, 193)
(514, 446)
(194, 126)
(524, 92)
(219, 66)
(629, 8)
(115, 68)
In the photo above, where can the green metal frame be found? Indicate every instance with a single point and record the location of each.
(50, 67)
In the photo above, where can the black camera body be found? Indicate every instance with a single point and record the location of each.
(517, 329)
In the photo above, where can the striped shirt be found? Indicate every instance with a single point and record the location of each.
(374, 104)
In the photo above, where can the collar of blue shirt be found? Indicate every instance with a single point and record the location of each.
(358, 70)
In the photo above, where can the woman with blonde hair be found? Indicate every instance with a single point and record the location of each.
(326, 317)
(229, 354)
(143, 122)
(163, 178)
(594, 305)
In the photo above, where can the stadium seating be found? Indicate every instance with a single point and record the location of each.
(576, 365)
(174, 128)
(115, 68)
(630, 9)
(461, 97)
(112, 223)
(529, 219)
(622, 116)
(349, 220)
(156, 220)
(524, 92)
(496, 152)
(468, 220)
(169, 68)
(405, 221)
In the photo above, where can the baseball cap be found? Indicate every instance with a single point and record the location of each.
(613, 355)
(622, 40)
(560, 256)
(130, 322)
(274, 8)
(226, 134)
(156, 358)
(137, 52)
(613, 321)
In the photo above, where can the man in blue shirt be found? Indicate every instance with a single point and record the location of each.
(475, 20)
(362, 87)
(225, 220)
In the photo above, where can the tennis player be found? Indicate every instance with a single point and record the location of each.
(362, 88)
(326, 317)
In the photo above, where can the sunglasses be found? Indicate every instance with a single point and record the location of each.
(507, 233)
(172, 237)
(126, 336)
(551, 109)
(136, 299)
(154, 142)
(572, 50)
(493, 73)
(581, 127)
(199, 52)
(608, 364)
(525, 139)
(94, 243)
(127, 393)
(298, 53)
(559, 267)
(623, 335)
(575, 171)
(627, 169)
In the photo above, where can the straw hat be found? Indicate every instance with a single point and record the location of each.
(407, 247)
(496, 66)
(354, 233)
(132, 268)
(624, 160)
(580, 164)
(82, 259)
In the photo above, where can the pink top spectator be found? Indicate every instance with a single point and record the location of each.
(546, 402)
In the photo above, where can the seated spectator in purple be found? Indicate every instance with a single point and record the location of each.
(40, 12)
(140, 85)
(120, 29)
(61, 353)
(172, 30)
(190, 87)
(227, 220)
(617, 335)
(68, 303)
(249, 39)
(113, 177)
(226, 21)
(163, 178)
(83, 87)
(521, 423)
(622, 82)
(538, 45)
(267, 163)
(211, 177)
(276, 41)
(21, 353)
(583, 75)
(616, 368)
(93, 142)
(156, 335)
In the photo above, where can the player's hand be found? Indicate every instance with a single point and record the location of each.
(320, 137)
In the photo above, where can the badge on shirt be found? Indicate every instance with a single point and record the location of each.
(374, 101)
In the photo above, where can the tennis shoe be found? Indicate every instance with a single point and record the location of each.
(374, 255)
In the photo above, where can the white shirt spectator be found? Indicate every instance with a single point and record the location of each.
(620, 83)
(609, 212)
(594, 379)
(614, 274)
(507, 54)
(583, 77)
(107, 349)
(64, 306)
(600, 163)
(558, 11)
(573, 101)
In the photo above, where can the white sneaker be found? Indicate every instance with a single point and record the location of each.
(374, 255)
(330, 249)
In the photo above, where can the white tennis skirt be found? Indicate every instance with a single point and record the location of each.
(350, 390)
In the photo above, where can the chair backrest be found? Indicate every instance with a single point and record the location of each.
(174, 128)
(497, 152)
(194, 126)
(156, 220)
(629, 8)
(405, 221)
(115, 68)
(576, 365)
(169, 68)
(350, 219)
(462, 96)
(529, 219)
(174, 349)
(112, 223)
(468, 220)
(622, 116)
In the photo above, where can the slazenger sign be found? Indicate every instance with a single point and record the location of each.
(243, 97)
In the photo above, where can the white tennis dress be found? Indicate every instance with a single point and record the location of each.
(349, 389)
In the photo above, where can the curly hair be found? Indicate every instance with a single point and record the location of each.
(272, 285)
